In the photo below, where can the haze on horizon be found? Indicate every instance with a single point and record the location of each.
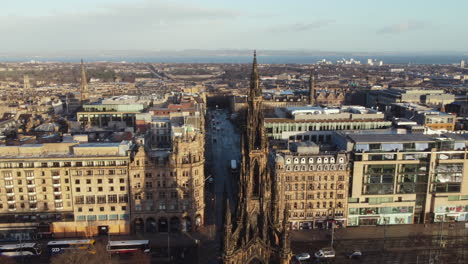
(56, 26)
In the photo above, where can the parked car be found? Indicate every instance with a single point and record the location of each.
(303, 256)
(325, 253)
(354, 254)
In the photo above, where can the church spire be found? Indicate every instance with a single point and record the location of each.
(255, 89)
(84, 83)
(312, 87)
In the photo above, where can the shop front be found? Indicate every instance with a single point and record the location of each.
(372, 216)
(451, 213)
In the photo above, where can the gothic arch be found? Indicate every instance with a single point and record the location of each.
(255, 260)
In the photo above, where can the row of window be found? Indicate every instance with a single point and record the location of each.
(326, 167)
(101, 217)
(8, 174)
(312, 186)
(101, 199)
(102, 209)
(301, 196)
(317, 160)
(310, 205)
(99, 163)
(314, 178)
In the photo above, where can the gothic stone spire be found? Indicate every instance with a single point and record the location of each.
(84, 83)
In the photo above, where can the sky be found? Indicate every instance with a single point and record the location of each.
(56, 26)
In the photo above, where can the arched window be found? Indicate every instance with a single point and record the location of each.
(311, 160)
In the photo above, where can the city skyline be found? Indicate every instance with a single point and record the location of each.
(56, 27)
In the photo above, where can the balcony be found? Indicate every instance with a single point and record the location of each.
(59, 192)
(30, 178)
(56, 177)
(33, 209)
(10, 194)
(8, 178)
(31, 185)
(11, 202)
(58, 200)
(9, 186)
(59, 208)
(56, 184)
(32, 193)
(33, 201)
(11, 209)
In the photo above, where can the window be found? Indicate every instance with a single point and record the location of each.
(79, 199)
(111, 181)
(77, 189)
(137, 196)
(101, 209)
(90, 199)
(149, 184)
(88, 181)
(149, 196)
(99, 181)
(122, 180)
(77, 181)
(122, 188)
(123, 198)
(112, 198)
(101, 199)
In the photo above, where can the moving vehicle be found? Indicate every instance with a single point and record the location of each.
(20, 250)
(354, 254)
(303, 256)
(128, 246)
(60, 246)
(325, 253)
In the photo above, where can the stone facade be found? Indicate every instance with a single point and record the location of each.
(168, 189)
(314, 186)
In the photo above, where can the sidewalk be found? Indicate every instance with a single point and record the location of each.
(377, 232)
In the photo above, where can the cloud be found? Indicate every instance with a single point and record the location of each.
(149, 24)
(403, 27)
(300, 27)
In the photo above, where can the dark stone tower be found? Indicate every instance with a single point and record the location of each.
(255, 234)
(312, 94)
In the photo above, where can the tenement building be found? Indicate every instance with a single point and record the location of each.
(167, 186)
(313, 184)
(167, 174)
(407, 178)
(68, 188)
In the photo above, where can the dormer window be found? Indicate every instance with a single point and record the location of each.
(332, 160)
(319, 160)
(303, 161)
(288, 161)
(311, 160)
(296, 160)
(325, 160)
(341, 160)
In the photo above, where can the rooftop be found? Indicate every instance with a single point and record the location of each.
(388, 138)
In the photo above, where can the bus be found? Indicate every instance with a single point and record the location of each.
(20, 250)
(60, 246)
(128, 246)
